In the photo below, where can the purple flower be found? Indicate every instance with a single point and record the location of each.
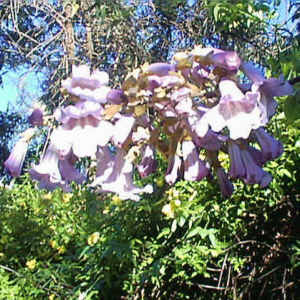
(174, 169)
(116, 96)
(237, 168)
(148, 162)
(235, 110)
(228, 60)
(16, 158)
(122, 129)
(119, 178)
(83, 129)
(194, 168)
(161, 69)
(225, 184)
(68, 170)
(47, 173)
(269, 88)
(36, 117)
(254, 173)
(105, 165)
(270, 147)
(83, 140)
(86, 86)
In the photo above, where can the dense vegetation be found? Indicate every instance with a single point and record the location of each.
(181, 242)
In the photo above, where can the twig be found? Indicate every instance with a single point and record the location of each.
(10, 270)
(223, 267)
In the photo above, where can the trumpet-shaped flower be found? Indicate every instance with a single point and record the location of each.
(119, 179)
(122, 129)
(237, 168)
(270, 147)
(254, 173)
(239, 112)
(194, 168)
(174, 169)
(148, 162)
(87, 86)
(83, 140)
(68, 171)
(16, 158)
(36, 117)
(83, 129)
(225, 184)
(269, 88)
(47, 173)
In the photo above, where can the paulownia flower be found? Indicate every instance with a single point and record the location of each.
(117, 177)
(15, 161)
(68, 171)
(194, 168)
(83, 129)
(239, 112)
(160, 69)
(228, 60)
(253, 172)
(148, 162)
(270, 147)
(268, 88)
(36, 117)
(47, 172)
(174, 169)
(225, 184)
(16, 158)
(87, 86)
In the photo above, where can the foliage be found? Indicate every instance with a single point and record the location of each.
(180, 243)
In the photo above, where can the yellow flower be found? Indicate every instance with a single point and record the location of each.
(116, 200)
(93, 238)
(47, 196)
(61, 249)
(51, 297)
(53, 244)
(66, 197)
(168, 210)
(31, 264)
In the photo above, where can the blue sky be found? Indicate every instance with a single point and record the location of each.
(20, 88)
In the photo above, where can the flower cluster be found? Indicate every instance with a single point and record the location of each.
(203, 103)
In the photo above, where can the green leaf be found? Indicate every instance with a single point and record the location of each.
(174, 226)
(292, 107)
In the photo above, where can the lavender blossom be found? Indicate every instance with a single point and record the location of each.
(174, 169)
(47, 173)
(270, 147)
(235, 110)
(120, 180)
(83, 140)
(16, 158)
(194, 168)
(86, 86)
(36, 117)
(237, 168)
(254, 173)
(269, 88)
(225, 184)
(122, 129)
(160, 69)
(83, 129)
(68, 170)
(148, 162)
